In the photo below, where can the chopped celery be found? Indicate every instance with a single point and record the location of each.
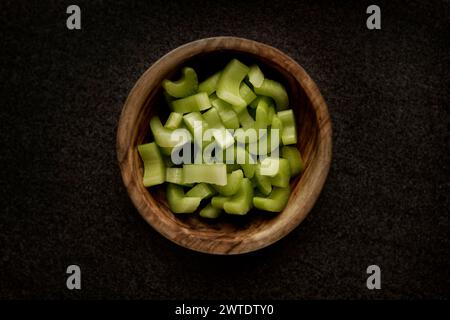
(233, 183)
(292, 154)
(232, 167)
(219, 201)
(277, 125)
(185, 86)
(262, 182)
(201, 190)
(178, 202)
(276, 91)
(246, 161)
(246, 136)
(229, 83)
(241, 202)
(175, 175)
(154, 169)
(208, 173)
(281, 179)
(174, 121)
(270, 114)
(227, 114)
(255, 76)
(166, 138)
(262, 114)
(276, 201)
(245, 119)
(210, 212)
(196, 102)
(246, 93)
(221, 135)
(289, 132)
(270, 167)
(210, 84)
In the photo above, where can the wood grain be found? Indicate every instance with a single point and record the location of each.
(229, 235)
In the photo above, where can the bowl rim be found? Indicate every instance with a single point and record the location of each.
(273, 233)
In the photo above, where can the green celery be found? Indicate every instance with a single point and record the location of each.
(277, 125)
(233, 183)
(210, 212)
(196, 102)
(292, 154)
(185, 86)
(255, 76)
(228, 86)
(246, 93)
(289, 132)
(246, 161)
(263, 183)
(276, 91)
(201, 190)
(245, 119)
(262, 114)
(281, 179)
(208, 173)
(276, 201)
(174, 121)
(210, 84)
(165, 138)
(241, 202)
(226, 113)
(154, 169)
(178, 202)
(221, 135)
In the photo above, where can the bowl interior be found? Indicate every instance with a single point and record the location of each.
(205, 64)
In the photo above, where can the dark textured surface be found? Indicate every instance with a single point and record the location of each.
(385, 201)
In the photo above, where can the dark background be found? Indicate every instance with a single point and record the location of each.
(385, 201)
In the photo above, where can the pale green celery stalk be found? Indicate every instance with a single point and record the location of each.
(178, 202)
(175, 175)
(255, 76)
(154, 169)
(270, 167)
(233, 182)
(229, 83)
(262, 182)
(165, 138)
(292, 154)
(226, 113)
(262, 114)
(185, 86)
(197, 126)
(270, 114)
(218, 201)
(246, 93)
(245, 119)
(202, 190)
(196, 102)
(276, 91)
(277, 125)
(210, 84)
(232, 167)
(242, 201)
(174, 121)
(276, 201)
(289, 132)
(246, 161)
(210, 212)
(221, 135)
(281, 179)
(208, 173)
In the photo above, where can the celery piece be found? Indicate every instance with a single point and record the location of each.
(169, 99)
(227, 114)
(245, 119)
(174, 175)
(281, 179)
(221, 135)
(194, 121)
(289, 132)
(196, 102)
(208, 173)
(276, 91)
(232, 167)
(292, 154)
(166, 138)
(218, 201)
(277, 125)
(246, 161)
(255, 76)
(154, 169)
(178, 202)
(210, 212)
(242, 201)
(233, 183)
(244, 136)
(210, 84)
(270, 114)
(262, 182)
(246, 93)
(185, 86)
(270, 167)
(262, 114)
(174, 121)
(276, 201)
(201, 190)
(229, 83)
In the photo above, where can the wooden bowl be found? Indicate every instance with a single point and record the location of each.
(230, 234)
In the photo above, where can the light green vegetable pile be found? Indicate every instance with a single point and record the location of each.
(230, 104)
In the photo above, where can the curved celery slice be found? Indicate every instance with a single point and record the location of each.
(246, 93)
(210, 84)
(277, 125)
(270, 167)
(245, 119)
(196, 102)
(175, 175)
(174, 121)
(168, 139)
(218, 201)
(178, 202)
(233, 182)
(185, 86)
(208, 173)
(270, 114)
(292, 154)
(255, 76)
(276, 91)
(281, 179)
(242, 201)
(201, 190)
(289, 132)
(246, 161)
(262, 120)
(227, 114)
(276, 201)
(262, 182)
(229, 83)
(222, 136)
(210, 212)
(154, 169)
